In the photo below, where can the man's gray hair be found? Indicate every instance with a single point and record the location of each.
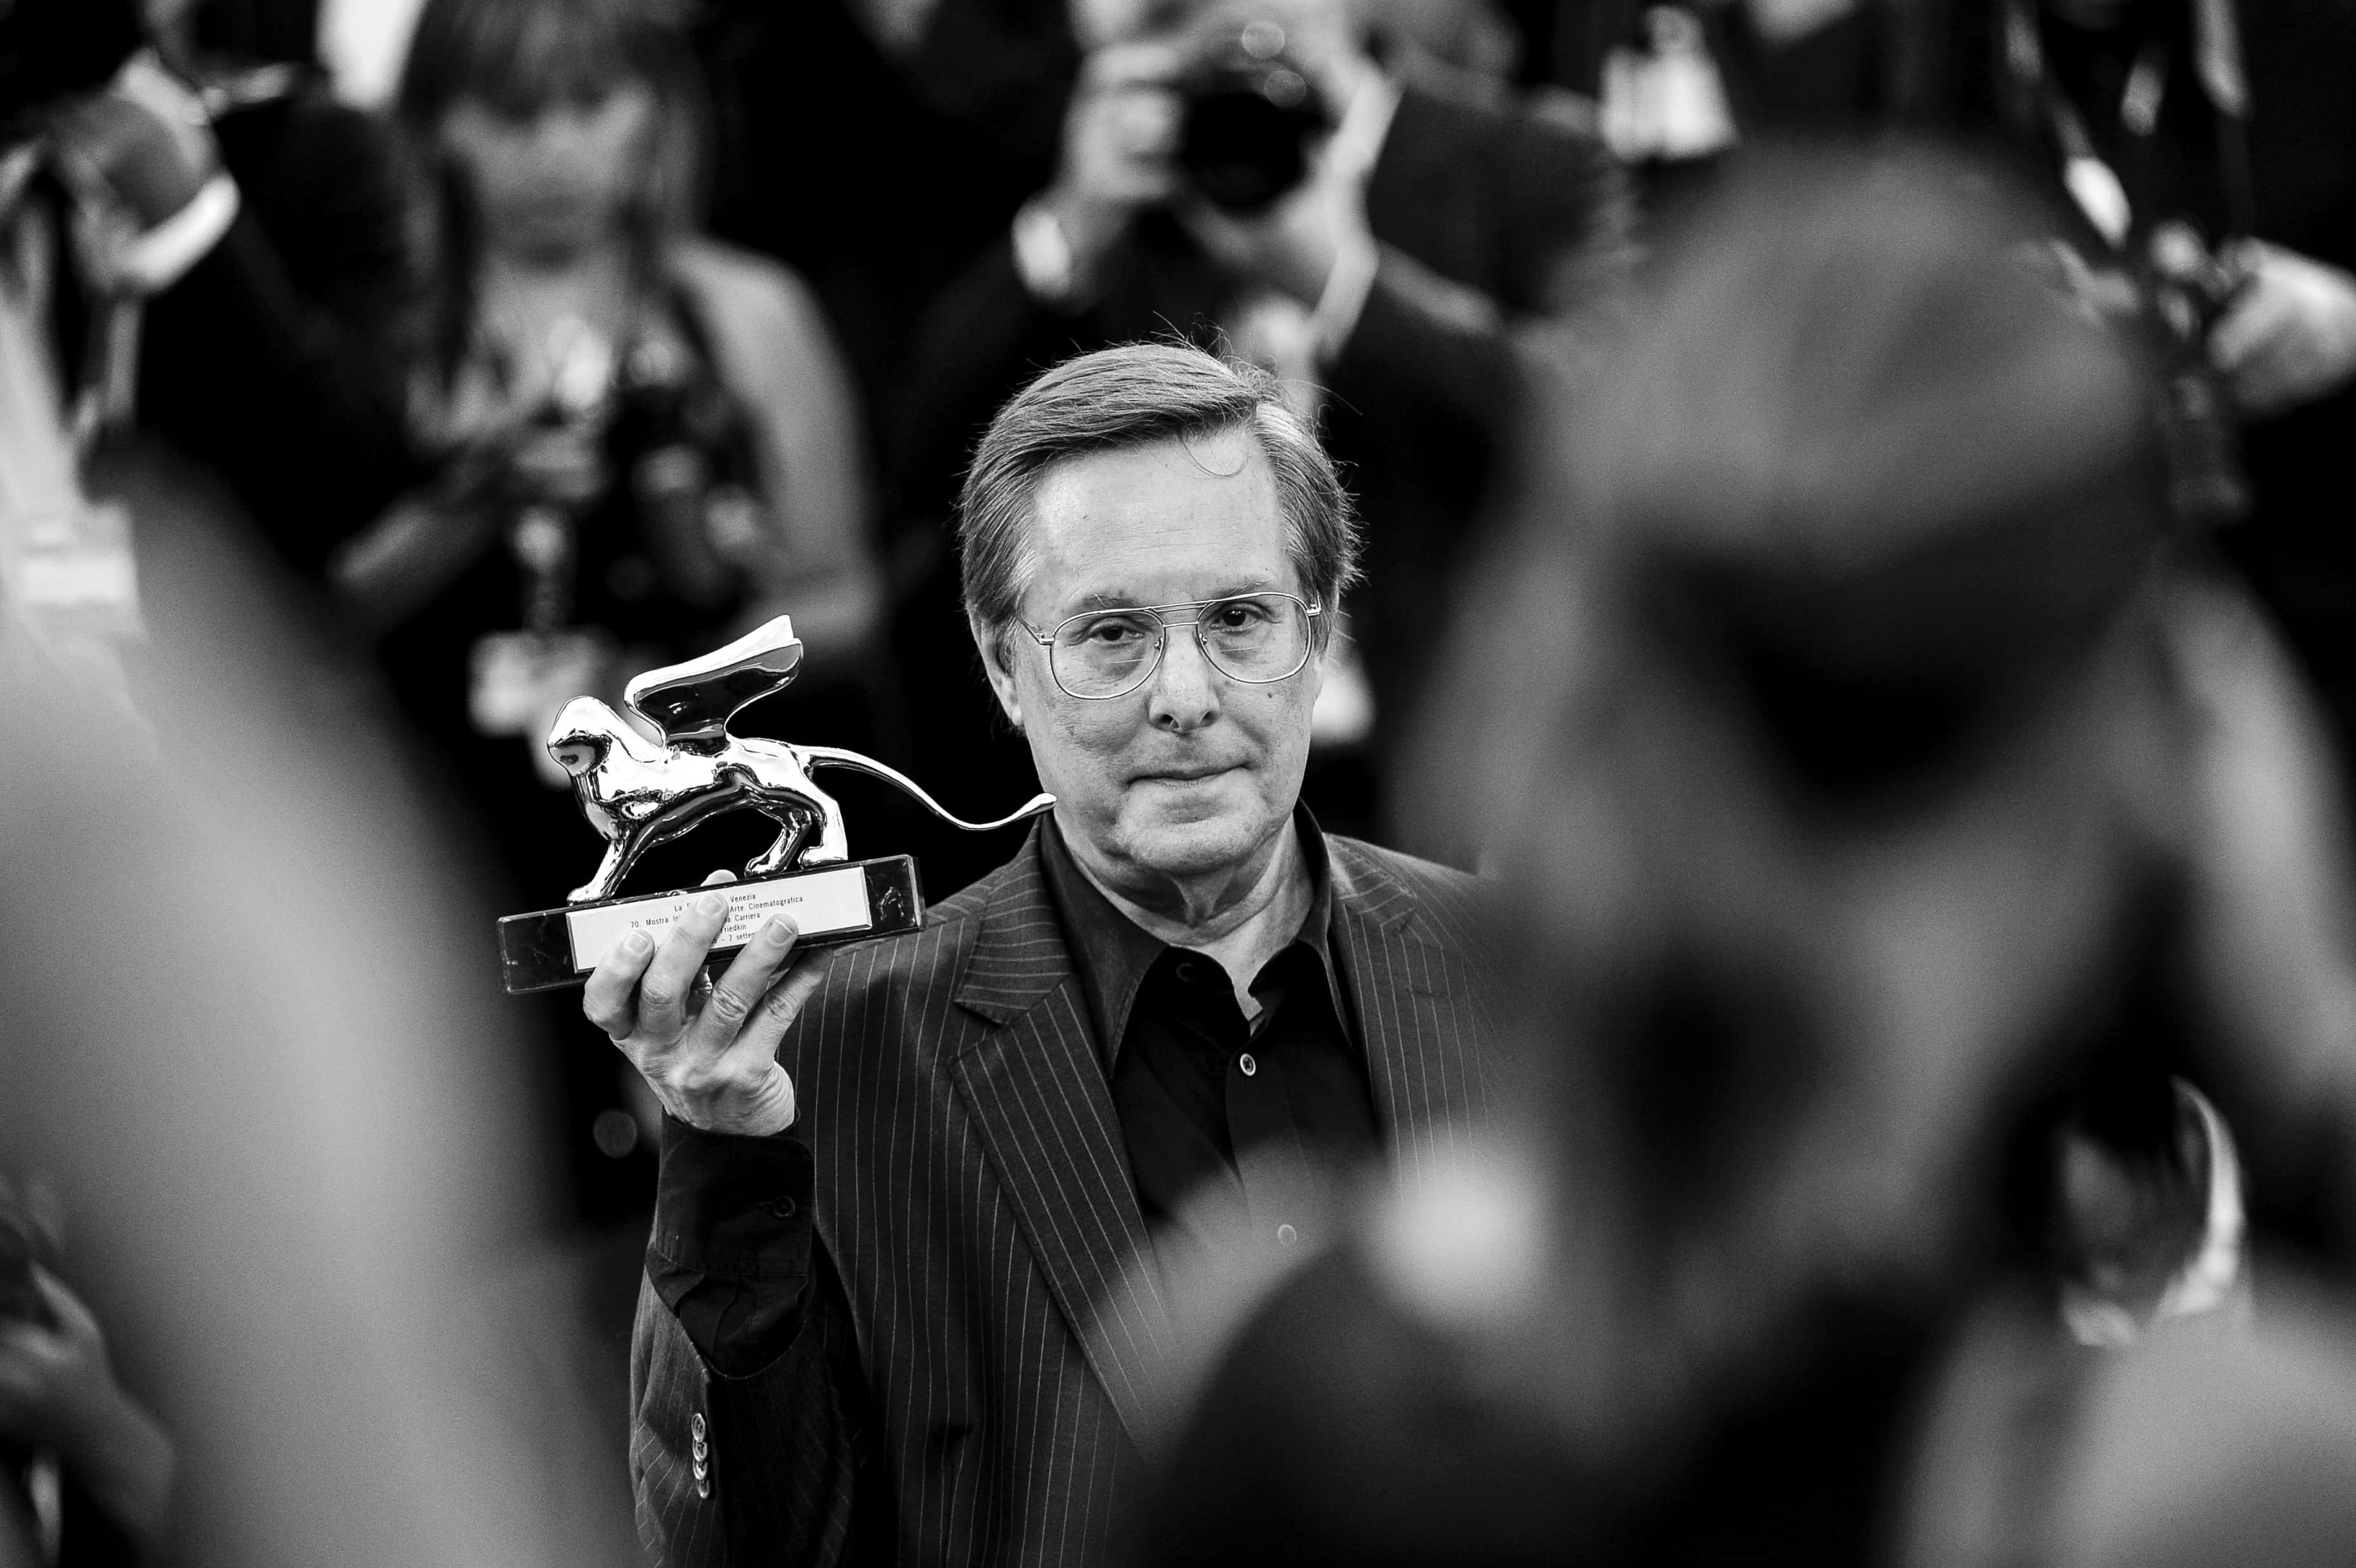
(1131, 396)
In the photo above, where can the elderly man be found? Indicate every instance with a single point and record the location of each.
(920, 1205)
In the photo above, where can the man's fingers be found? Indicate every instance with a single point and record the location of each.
(719, 877)
(749, 978)
(610, 998)
(662, 995)
(784, 1003)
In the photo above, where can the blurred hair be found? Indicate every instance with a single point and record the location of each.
(1134, 395)
(1856, 478)
(517, 58)
(1848, 538)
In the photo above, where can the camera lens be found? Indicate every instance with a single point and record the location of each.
(1250, 114)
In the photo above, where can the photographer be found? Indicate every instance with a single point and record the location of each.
(2206, 151)
(249, 280)
(645, 438)
(1252, 174)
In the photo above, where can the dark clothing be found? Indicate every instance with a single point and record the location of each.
(975, 1327)
(1341, 1426)
(875, 174)
(1207, 1101)
(1203, 1099)
(278, 362)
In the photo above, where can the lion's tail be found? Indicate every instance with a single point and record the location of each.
(834, 757)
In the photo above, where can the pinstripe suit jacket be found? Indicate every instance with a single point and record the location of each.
(974, 1391)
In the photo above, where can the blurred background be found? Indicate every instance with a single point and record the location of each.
(1859, 545)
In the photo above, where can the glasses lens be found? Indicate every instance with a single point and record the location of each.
(1259, 636)
(1104, 655)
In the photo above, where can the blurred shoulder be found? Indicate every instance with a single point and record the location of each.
(745, 294)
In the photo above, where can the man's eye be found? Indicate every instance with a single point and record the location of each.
(1238, 616)
(1113, 634)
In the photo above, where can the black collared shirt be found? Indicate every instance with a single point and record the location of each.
(1221, 1119)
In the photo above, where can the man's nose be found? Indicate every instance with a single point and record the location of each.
(1185, 690)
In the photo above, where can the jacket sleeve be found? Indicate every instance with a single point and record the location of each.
(749, 1430)
(279, 359)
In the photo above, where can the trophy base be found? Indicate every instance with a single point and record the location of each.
(833, 904)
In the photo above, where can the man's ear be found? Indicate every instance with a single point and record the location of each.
(992, 645)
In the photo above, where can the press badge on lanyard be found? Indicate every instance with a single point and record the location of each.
(75, 573)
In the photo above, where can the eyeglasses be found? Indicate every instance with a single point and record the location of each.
(1256, 638)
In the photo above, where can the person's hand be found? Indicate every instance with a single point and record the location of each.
(2289, 336)
(1120, 142)
(711, 1059)
(1292, 245)
(58, 1391)
(146, 141)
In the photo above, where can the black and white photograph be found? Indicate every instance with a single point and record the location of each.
(1178, 783)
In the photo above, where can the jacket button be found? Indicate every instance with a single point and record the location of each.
(1248, 1065)
(703, 1486)
(695, 1424)
(703, 1451)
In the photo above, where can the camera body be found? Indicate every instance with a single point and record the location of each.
(2185, 287)
(1252, 113)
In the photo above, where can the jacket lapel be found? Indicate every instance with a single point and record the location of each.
(1035, 1088)
(1418, 1012)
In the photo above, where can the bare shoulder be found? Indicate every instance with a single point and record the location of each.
(746, 293)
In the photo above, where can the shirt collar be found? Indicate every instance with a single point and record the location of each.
(1112, 953)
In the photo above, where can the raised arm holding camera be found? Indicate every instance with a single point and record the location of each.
(1250, 174)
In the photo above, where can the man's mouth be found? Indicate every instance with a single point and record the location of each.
(1187, 774)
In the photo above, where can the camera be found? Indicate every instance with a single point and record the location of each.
(1250, 114)
(2185, 287)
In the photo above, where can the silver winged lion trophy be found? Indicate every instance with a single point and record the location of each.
(638, 792)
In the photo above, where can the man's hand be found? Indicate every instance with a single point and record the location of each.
(2289, 337)
(714, 1066)
(58, 1391)
(1120, 141)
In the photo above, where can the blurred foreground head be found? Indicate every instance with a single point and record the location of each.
(1814, 728)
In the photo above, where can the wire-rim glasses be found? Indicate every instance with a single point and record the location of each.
(1256, 638)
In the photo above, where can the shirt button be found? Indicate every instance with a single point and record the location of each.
(1185, 971)
(1248, 1065)
(1287, 1235)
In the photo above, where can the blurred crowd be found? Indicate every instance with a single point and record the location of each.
(1858, 551)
